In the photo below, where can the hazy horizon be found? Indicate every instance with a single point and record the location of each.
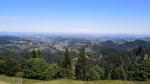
(75, 16)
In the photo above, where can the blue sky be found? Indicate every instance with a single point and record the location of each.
(76, 16)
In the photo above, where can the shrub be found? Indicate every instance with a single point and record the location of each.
(38, 68)
(92, 74)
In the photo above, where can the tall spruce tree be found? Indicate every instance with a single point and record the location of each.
(39, 55)
(67, 65)
(33, 54)
(81, 66)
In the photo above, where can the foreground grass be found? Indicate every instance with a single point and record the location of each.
(14, 80)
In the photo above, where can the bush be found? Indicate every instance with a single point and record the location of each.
(92, 74)
(119, 73)
(38, 68)
(142, 72)
(11, 67)
(19, 74)
(100, 72)
(95, 73)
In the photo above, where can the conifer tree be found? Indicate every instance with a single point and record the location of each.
(39, 53)
(81, 66)
(33, 54)
(67, 65)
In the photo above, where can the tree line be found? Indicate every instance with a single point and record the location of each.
(111, 64)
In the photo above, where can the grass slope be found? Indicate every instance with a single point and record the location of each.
(14, 80)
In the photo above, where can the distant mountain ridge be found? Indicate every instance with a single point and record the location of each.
(56, 44)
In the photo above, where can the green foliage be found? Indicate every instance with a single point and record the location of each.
(111, 64)
(99, 71)
(33, 54)
(118, 73)
(11, 66)
(19, 74)
(38, 68)
(142, 71)
(82, 66)
(147, 66)
(57, 70)
(66, 65)
(2, 62)
(94, 73)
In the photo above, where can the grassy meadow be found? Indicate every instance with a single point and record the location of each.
(14, 80)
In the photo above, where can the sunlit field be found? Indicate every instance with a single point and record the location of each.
(14, 80)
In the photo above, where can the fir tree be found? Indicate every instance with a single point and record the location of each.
(81, 66)
(33, 54)
(39, 53)
(67, 65)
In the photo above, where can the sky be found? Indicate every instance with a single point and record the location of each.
(75, 16)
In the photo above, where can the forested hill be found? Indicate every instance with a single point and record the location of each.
(56, 44)
(44, 58)
(8, 39)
